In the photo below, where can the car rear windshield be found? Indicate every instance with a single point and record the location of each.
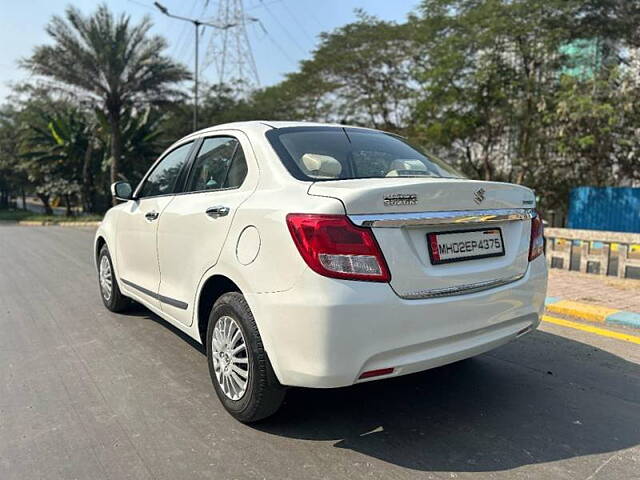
(336, 153)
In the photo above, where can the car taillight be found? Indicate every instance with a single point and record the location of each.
(536, 246)
(334, 247)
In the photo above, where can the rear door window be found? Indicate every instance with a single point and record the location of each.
(220, 164)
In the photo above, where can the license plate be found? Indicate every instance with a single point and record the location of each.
(447, 247)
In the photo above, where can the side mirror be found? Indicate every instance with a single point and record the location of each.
(122, 191)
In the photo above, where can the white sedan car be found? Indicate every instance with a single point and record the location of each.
(318, 255)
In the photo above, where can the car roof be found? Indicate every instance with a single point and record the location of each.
(265, 124)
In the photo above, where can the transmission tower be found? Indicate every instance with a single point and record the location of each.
(229, 49)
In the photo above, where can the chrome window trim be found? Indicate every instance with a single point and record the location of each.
(394, 220)
(461, 289)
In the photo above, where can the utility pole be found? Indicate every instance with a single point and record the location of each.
(196, 23)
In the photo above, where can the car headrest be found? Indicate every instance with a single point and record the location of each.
(402, 164)
(321, 166)
(402, 167)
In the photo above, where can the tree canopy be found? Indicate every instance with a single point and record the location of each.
(116, 64)
(544, 93)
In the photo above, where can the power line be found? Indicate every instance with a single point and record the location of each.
(197, 23)
(150, 7)
(277, 45)
(299, 24)
(259, 4)
(315, 19)
(179, 43)
(184, 40)
(293, 39)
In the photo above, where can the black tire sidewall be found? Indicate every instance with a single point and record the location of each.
(228, 308)
(117, 302)
(264, 393)
(105, 253)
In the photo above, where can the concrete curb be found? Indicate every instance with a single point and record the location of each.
(593, 313)
(49, 223)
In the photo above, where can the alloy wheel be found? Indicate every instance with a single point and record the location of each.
(230, 358)
(106, 280)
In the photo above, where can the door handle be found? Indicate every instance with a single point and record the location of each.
(217, 211)
(151, 216)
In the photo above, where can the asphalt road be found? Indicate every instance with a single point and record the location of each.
(88, 394)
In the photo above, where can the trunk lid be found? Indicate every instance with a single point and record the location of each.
(403, 211)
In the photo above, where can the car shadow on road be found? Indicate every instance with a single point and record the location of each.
(541, 399)
(138, 310)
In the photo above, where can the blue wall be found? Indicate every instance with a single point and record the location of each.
(615, 209)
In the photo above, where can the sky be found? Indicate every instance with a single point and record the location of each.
(292, 28)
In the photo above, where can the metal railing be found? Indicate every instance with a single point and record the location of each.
(594, 247)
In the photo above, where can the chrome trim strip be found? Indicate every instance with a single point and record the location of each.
(393, 220)
(461, 289)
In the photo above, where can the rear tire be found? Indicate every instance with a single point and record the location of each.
(109, 290)
(238, 364)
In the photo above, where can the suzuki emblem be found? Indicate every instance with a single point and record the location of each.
(479, 196)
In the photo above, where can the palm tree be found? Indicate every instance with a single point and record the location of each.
(115, 63)
(143, 139)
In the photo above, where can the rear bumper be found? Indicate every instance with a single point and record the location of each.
(326, 332)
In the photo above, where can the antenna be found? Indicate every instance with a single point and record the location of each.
(229, 49)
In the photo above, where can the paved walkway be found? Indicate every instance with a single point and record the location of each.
(605, 291)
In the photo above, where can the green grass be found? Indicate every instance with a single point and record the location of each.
(12, 215)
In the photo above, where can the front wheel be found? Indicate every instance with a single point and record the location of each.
(238, 364)
(109, 290)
